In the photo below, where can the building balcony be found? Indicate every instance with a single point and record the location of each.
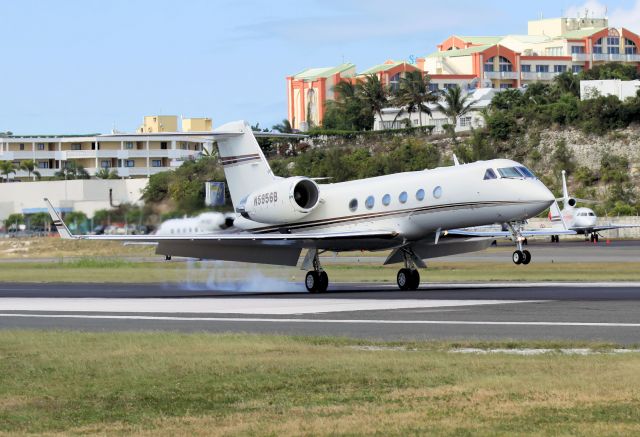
(507, 75)
(580, 57)
(633, 58)
(539, 76)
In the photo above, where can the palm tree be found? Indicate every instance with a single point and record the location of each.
(30, 167)
(284, 127)
(373, 94)
(454, 106)
(414, 94)
(567, 82)
(6, 168)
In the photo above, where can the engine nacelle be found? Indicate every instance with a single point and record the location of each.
(571, 202)
(285, 201)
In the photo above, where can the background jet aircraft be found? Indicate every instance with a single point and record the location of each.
(205, 223)
(579, 219)
(404, 212)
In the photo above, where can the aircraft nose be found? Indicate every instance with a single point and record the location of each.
(542, 193)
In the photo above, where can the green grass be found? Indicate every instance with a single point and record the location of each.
(93, 269)
(201, 384)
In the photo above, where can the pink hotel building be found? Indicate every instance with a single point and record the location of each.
(550, 47)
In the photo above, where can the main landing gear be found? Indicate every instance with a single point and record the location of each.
(555, 238)
(520, 256)
(408, 278)
(317, 279)
(594, 237)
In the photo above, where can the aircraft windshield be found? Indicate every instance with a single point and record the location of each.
(509, 172)
(526, 172)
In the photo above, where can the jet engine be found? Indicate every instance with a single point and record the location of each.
(285, 201)
(571, 202)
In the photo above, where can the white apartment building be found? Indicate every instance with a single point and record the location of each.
(131, 155)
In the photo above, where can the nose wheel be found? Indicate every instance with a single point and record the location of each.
(521, 257)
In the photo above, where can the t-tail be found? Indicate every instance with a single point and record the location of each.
(244, 164)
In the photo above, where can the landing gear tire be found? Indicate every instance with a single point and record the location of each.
(518, 257)
(555, 238)
(167, 257)
(316, 282)
(408, 279)
(527, 257)
(594, 238)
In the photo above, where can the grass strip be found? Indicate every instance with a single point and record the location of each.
(231, 384)
(114, 270)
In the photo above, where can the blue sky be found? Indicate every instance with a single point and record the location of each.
(87, 66)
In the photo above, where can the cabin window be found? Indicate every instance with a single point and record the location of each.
(370, 202)
(420, 194)
(437, 192)
(526, 172)
(353, 205)
(509, 172)
(403, 197)
(490, 174)
(386, 199)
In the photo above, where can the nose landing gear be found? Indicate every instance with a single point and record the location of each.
(520, 256)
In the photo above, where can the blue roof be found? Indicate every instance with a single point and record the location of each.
(38, 210)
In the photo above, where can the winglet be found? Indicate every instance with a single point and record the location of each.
(57, 221)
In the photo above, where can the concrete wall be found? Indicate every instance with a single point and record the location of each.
(87, 196)
(622, 89)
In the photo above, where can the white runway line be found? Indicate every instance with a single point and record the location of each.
(228, 305)
(324, 321)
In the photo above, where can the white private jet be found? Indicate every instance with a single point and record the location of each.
(408, 213)
(205, 223)
(581, 220)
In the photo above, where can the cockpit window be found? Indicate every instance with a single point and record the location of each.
(490, 174)
(509, 172)
(591, 214)
(526, 172)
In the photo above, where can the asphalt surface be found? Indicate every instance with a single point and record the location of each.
(591, 312)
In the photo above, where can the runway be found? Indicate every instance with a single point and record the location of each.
(607, 312)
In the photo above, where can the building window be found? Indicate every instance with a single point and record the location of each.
(630, 47)
(576, 50)
(386, 199)
(505, 64)
(370, 202)
(184, 146)
(597, 46)
(449, 85)
(156, 163)
(526, 68)
(21, 146)
(76, 146)
(129, 163)
(43, 164)
(503, 86)
(433, 87)
(128, 145)
(403, 197)
(577, 69)
(614, 50)
(559, 68)
(394, 82)
(420, 194)
(353, 205)
(554, 51)
(542, 68)
(613, 41)
(466, 121)
(105, 163)
(40, 146)
(163, 145)
(488, 65)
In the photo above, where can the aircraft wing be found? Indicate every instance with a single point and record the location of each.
(546, 232)
(612, 226)
(278, 249)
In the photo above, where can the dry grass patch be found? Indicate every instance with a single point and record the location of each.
(201, 384)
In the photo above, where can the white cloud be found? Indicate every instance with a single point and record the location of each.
(618, 17)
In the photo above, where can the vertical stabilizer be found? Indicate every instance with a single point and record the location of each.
(245, 166)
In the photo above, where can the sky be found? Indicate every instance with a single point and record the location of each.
(88, 66)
